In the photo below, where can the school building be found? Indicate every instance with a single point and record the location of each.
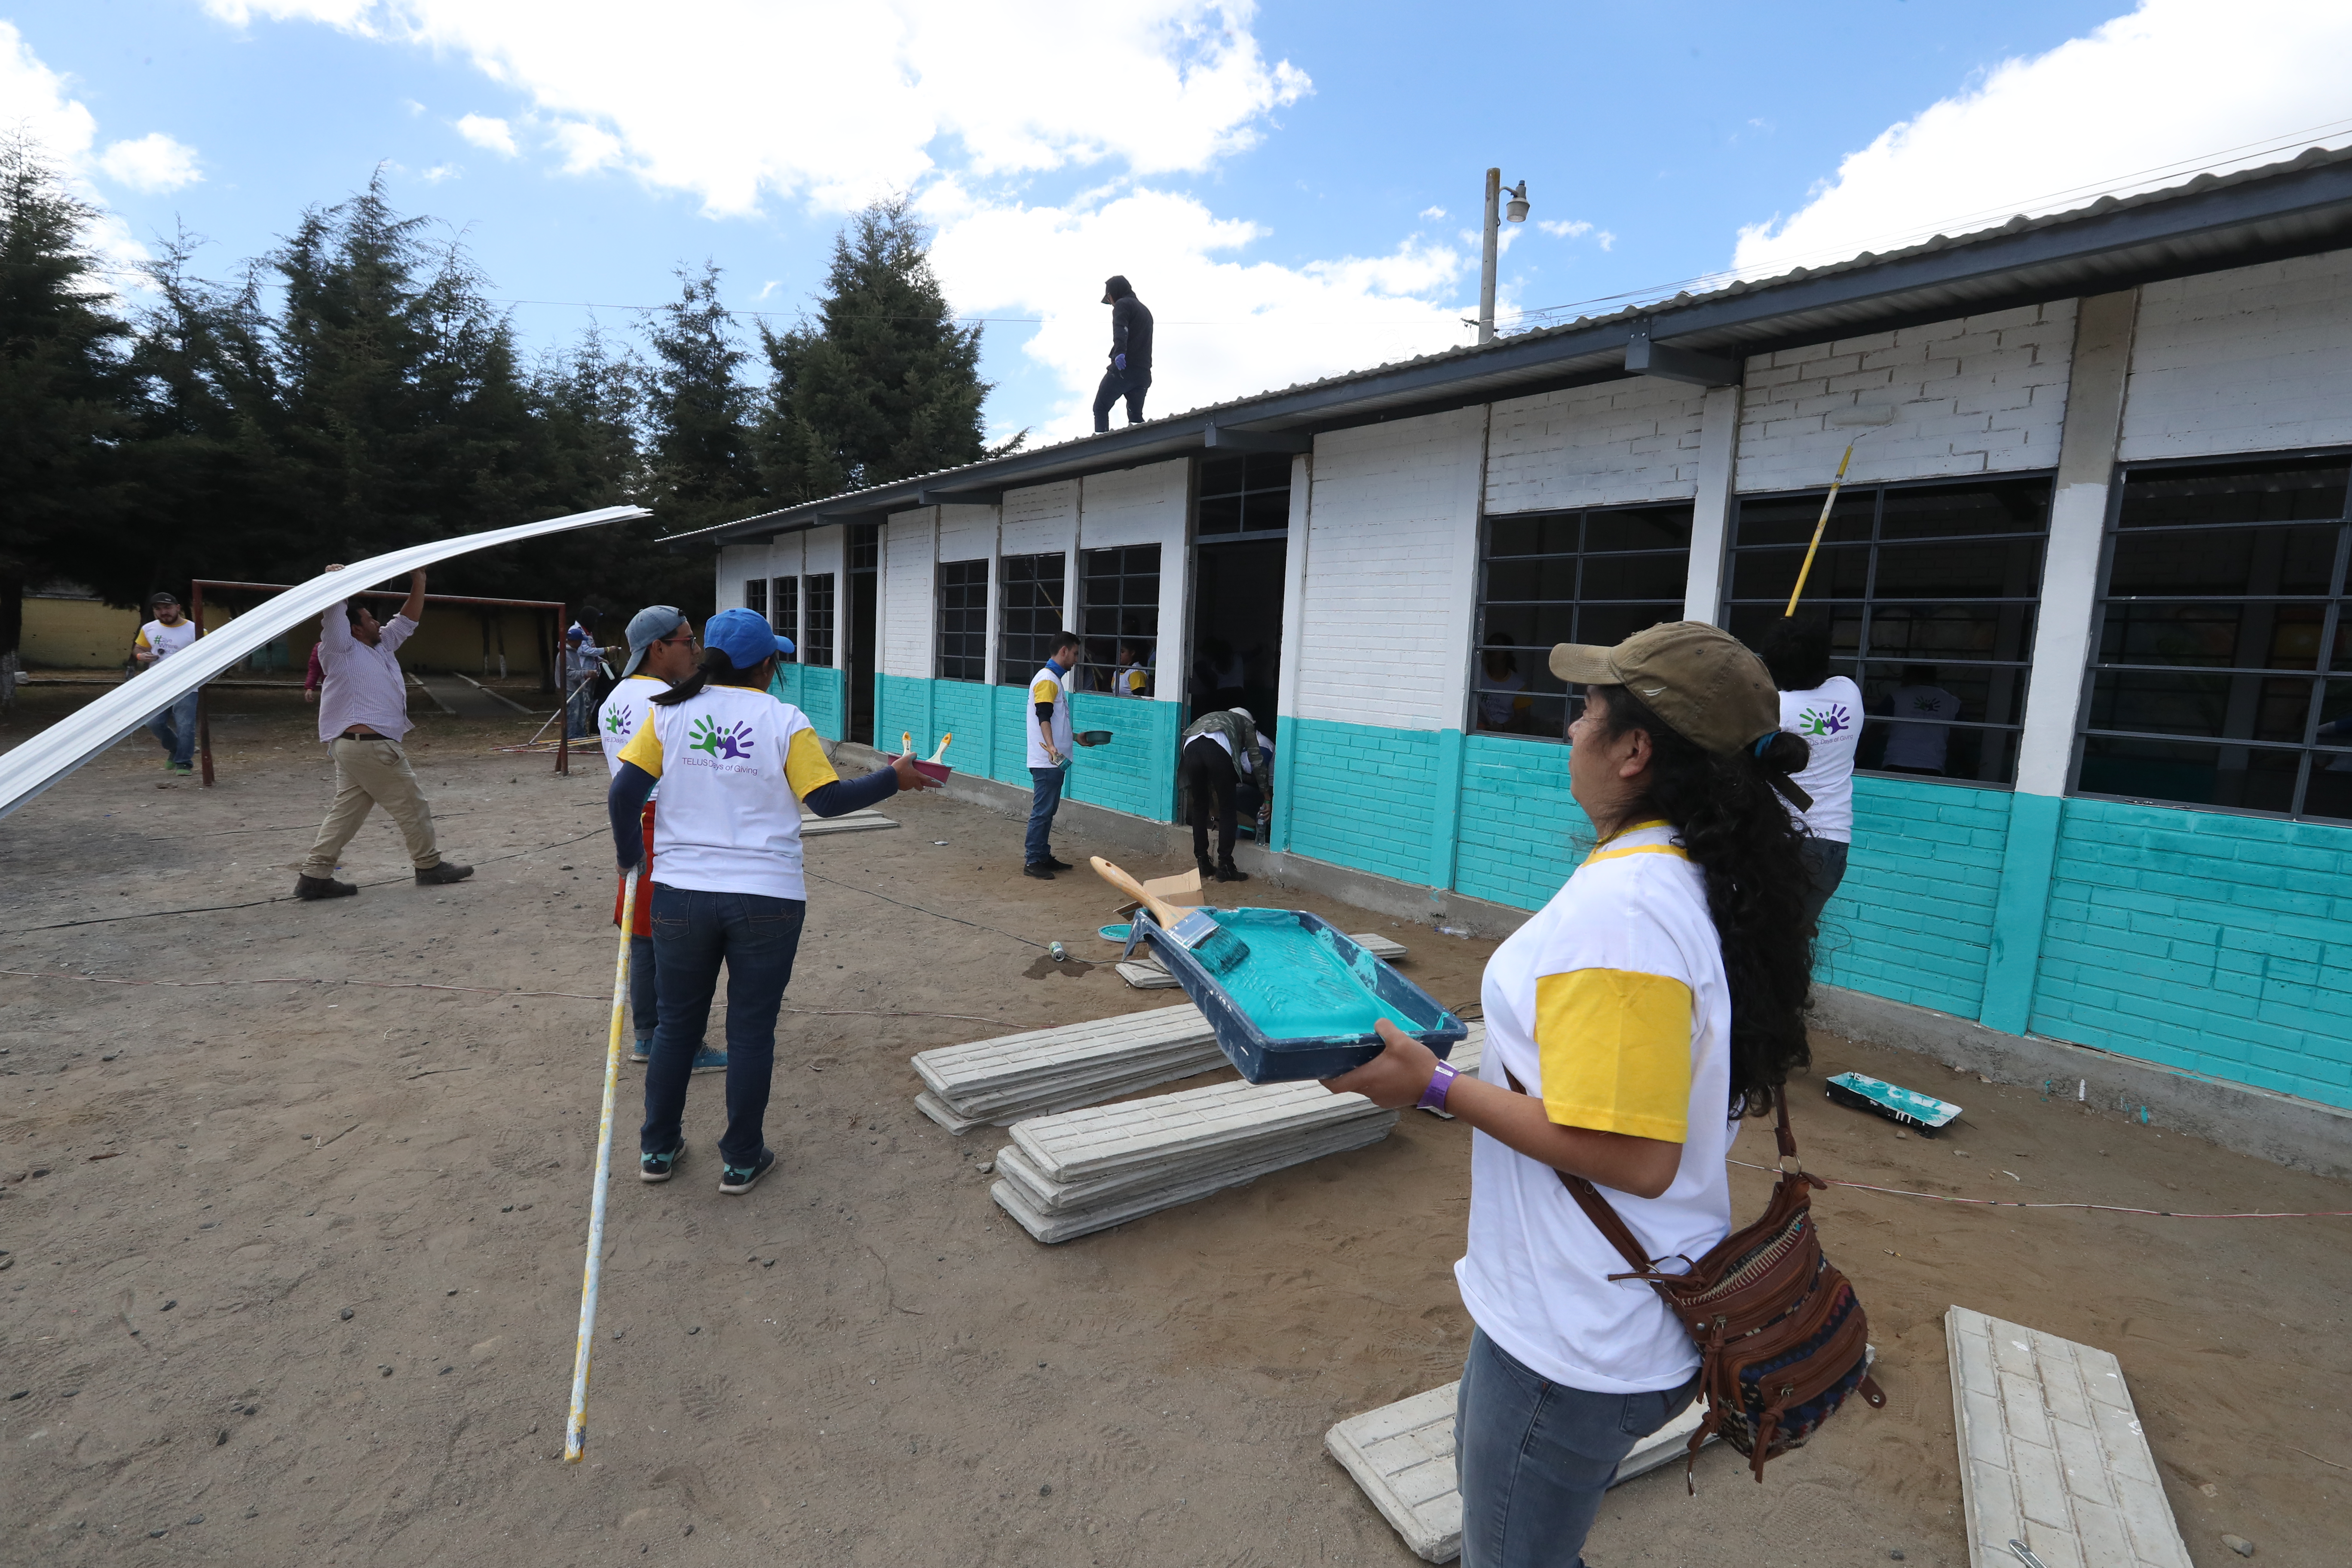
(2097, 505)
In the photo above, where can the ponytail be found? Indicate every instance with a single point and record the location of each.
(718, 670)
(1727, 810)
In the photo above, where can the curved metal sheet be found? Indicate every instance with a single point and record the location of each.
(81, 735)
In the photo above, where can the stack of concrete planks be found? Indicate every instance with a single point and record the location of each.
(868, 821)
(1082, 1171)
(1146, 973)
(1005, 1079)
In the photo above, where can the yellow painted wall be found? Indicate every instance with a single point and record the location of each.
(82, 633)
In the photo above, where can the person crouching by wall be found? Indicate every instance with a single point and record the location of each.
(1219, 750)
(734, 764)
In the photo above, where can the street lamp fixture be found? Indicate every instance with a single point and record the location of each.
(1517, 212)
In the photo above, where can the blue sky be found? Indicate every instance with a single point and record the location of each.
(1273, 178)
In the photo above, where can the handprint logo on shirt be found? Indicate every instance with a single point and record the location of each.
(727, 745)
(616, 720)
(1832, 720)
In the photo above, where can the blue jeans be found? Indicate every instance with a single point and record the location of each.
(1532, 1458)
(642, 1001)
(757, 937)
(1043, 803)
(176, 726)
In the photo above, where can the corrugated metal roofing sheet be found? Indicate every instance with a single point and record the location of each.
(2297, 207)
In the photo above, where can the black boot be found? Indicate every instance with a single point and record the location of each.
(1229, 872)
(322, 887)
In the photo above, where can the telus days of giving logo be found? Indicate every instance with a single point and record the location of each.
(726, 744)
(616, 720)
(1832, 720)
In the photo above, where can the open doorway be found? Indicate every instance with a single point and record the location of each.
(1237, 628)
(864, 581)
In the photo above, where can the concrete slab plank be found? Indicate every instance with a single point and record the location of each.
(2052, 1453)
(1105, 1138)
(1401, 1455)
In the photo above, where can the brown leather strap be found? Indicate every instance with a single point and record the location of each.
(1597, 1209)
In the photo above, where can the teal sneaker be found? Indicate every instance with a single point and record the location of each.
(643, 1051)
(707, 1061)
(734, 1179)
(659, 1167)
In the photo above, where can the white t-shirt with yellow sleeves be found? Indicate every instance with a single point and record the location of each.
(1611, 1004)
(1048, 684)
(734, 764)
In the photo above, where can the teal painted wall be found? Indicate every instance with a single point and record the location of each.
(1914, 918)
(2215, 943)
(1135, 773)
(1521, 832)
(1361, 795)
(822, 694)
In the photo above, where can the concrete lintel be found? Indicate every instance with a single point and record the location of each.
(1644, 357)
(1218, 440)
(2300, 1134)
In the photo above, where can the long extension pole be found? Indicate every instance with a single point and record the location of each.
(1818, 527)
(575, 1429)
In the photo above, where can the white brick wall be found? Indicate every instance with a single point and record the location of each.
(967, 533)
(827, 550)
(1041, 518)
(2251, 360)
(910, 546)
(1135, 505)
(1980, 394)
(1595, 445)
(1391, 552)
(738, 563)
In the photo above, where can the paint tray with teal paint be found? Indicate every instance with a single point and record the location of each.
(1893, 1101)
(1306, 1000)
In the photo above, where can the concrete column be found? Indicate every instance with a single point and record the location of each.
(2096, 383)
(1718, 450)
(1294, 643)
(988, 671)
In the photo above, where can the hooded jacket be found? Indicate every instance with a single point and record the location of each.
(1131, 334)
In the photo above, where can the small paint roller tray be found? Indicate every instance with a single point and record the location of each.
(937, 772)
(1303, 1005)
(1092, 737)
(1907, 1105)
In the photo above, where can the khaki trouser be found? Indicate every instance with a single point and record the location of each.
(371, 771)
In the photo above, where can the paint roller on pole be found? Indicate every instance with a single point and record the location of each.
(575, 1427)
(1845, 418)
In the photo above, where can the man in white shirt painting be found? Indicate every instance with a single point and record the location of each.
(169, 633)
(363, 715)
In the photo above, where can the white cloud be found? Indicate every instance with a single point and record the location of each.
(2141, 102)
(1558, 230)
(1224, 327)
(1432, 214)
(153, 164)
(35, 97)
(489, 133)
(585, 147)
(440, 171)
(687, 94)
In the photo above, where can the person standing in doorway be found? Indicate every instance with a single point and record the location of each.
(1219, 750)
(363, 714)
(1823, 711)
(173, 724)
(735, 764)
(1048, 719)
(1919, 734)
(661, 654)
(1128, 375)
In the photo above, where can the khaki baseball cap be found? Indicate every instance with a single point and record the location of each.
(1700, 679)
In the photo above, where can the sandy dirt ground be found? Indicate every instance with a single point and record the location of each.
(292, 1270)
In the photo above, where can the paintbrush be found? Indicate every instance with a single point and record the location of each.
(940, 754)
(1219, 951)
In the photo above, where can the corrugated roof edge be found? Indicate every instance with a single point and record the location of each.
(1173, 427)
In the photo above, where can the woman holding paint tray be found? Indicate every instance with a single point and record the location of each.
(1655, 1000)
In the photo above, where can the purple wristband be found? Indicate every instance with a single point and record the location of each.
(1441, 1083)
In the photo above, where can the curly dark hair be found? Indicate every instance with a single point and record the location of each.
(1736, 831)
(716, 669)
(1797, 652)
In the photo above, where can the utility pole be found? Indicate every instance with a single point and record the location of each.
(1486, 265)
(1517, 212)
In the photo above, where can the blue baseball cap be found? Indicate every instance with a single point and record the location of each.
(744, 636)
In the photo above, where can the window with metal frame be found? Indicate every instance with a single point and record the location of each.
(785, 612)
(2223, 671)
(817, 621)
(962, 652)
(1119, 595)
(1033, 588)
(1594, 576)
(1930, 592)
(755, 595)
(1246, 497)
